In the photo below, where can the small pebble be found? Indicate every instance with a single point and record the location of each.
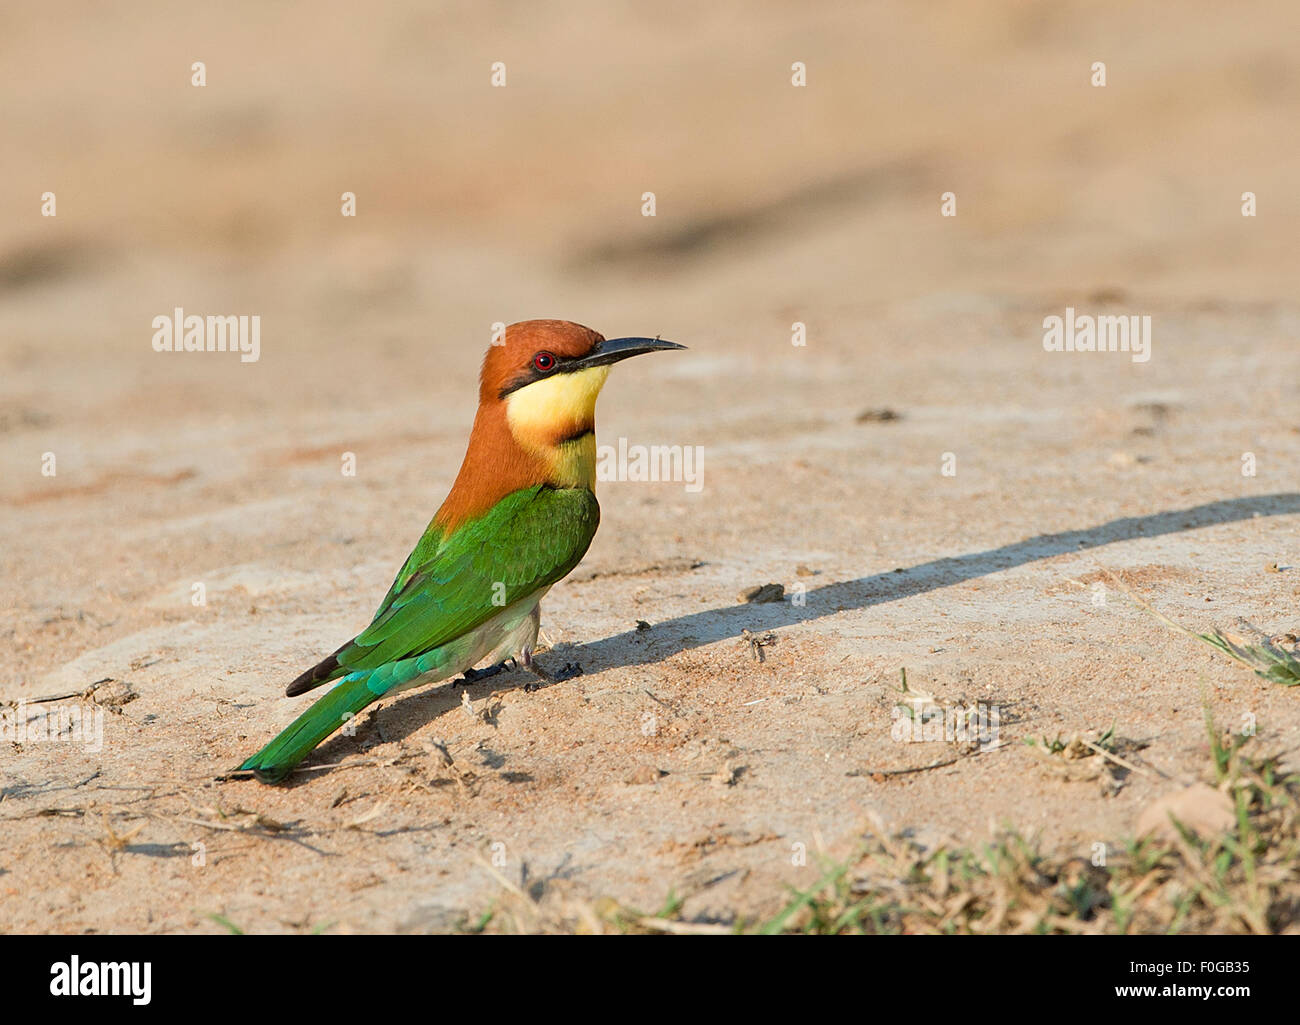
(761, 593)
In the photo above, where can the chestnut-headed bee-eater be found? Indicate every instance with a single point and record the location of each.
(519, 517)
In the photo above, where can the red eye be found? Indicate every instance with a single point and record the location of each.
(544, 362)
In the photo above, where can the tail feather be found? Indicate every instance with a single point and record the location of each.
(300, 737)
(323, 671)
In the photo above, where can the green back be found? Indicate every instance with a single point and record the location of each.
(449, 585)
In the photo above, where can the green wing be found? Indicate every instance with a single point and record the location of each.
(528, 540)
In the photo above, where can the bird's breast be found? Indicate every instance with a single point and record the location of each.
(574, 462)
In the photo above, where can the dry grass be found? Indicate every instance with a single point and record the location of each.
(1246, 880)
(1267, 656)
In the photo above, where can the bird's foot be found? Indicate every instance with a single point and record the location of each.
(474, 675)
(567, 672)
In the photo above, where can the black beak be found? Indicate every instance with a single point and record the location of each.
(614, 349)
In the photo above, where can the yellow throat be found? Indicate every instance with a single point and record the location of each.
(555, 418)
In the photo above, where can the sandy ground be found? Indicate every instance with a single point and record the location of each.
(677, 761)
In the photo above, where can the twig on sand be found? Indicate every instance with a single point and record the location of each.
(884, 773)
(1123, 763)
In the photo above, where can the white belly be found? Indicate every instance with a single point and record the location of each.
(504, 636)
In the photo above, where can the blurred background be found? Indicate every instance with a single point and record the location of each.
(478, 204)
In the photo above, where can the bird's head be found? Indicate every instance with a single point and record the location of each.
(536, 414)
(548, 374)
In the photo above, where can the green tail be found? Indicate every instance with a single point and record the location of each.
(300, 737)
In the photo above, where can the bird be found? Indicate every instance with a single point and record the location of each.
(518, 518)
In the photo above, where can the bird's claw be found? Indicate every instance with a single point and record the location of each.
(567, 672)
(474, 675)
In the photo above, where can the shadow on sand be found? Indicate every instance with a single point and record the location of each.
(712, 625)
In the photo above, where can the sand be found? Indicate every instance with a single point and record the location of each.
(969, 539)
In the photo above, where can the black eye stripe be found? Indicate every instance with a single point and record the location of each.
(533, 373)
